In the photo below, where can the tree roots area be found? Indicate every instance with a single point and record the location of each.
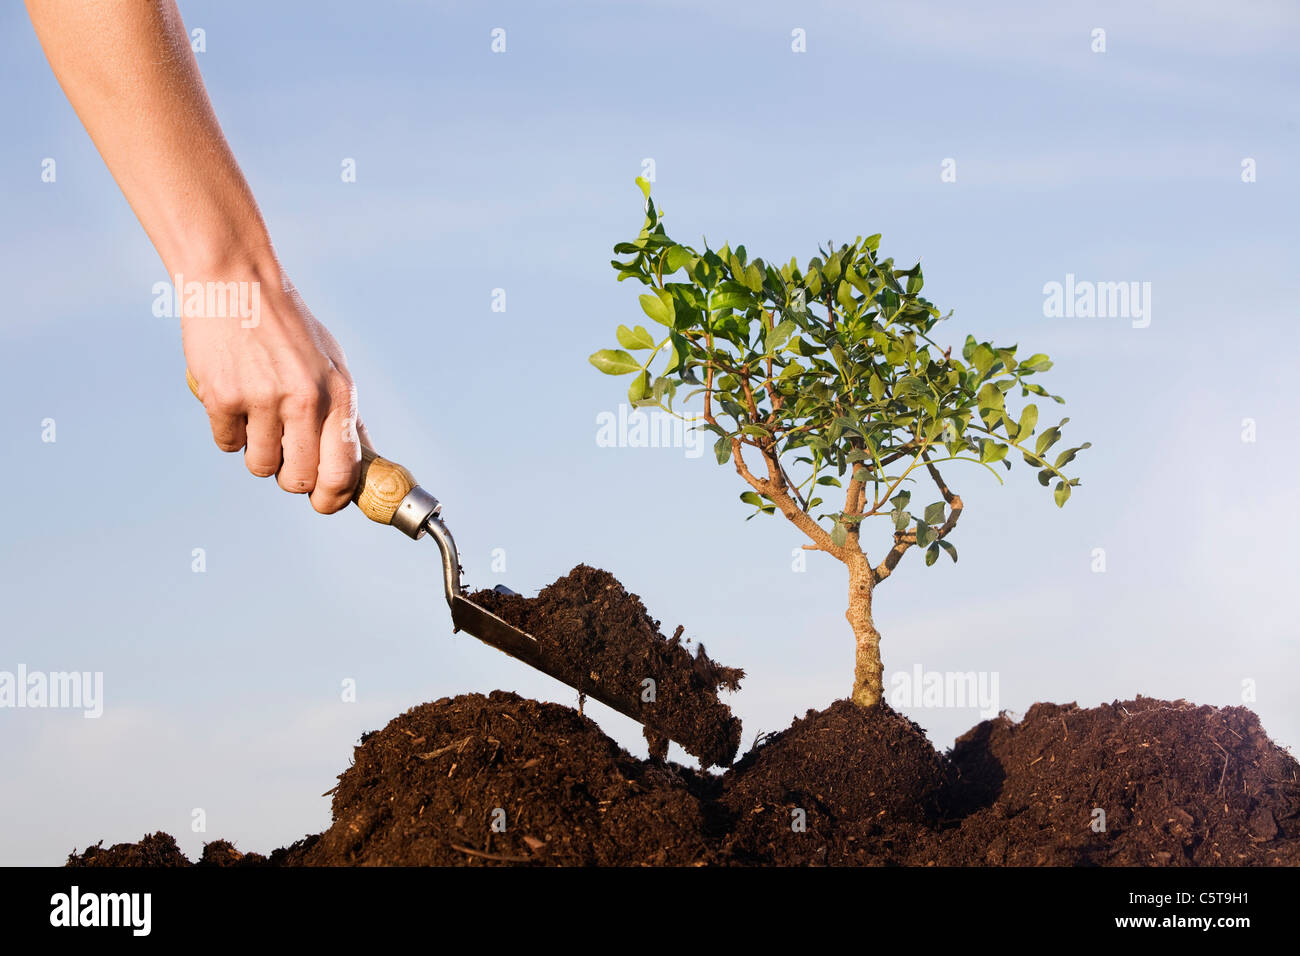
(501, 780)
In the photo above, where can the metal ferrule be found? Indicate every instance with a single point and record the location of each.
(416, 508)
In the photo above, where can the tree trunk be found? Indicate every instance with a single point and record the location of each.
(868, 672)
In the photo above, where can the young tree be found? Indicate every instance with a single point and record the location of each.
(827, 377)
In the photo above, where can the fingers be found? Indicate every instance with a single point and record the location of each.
(340, 458)
(226, 416)
(303, 414)
(228, 431)
(263, 454)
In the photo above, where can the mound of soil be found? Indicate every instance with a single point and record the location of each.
(156, 849)
(1138, 782)
(596, 633)
(841, 786)
(501, 780)
(481, 780)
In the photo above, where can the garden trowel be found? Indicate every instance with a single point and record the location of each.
(388, 493)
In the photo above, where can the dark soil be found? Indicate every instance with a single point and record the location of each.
(862, 784)
(1179, 784)
(477, 779)
(156, 849)
(504, 781)
(596, 633)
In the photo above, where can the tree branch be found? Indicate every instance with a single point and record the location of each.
(905, 539)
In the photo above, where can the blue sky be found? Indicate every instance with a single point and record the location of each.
(478, 171)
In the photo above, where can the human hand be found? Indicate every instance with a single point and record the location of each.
(275, 383)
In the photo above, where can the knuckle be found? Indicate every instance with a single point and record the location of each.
(224, 399)
(342, 392)
(336, 482)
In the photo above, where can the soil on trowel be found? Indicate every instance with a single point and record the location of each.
(598, 635)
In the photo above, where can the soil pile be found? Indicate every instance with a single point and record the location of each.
(500, 779)
(1140, 782)
(840, 786)
(156, 849)
(597, 633)
(1179, 784)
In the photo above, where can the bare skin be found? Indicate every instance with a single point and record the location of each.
(277, 385)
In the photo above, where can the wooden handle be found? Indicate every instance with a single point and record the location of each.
(383, 483)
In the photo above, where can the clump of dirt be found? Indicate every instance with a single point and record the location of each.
(156, 849)
(596, 633)
(841, 786)
(1139, 782)
(477, 780)
(223, 853)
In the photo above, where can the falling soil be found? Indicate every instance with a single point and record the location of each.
(500, 780)
(596, 633)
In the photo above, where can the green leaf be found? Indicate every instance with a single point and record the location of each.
(839, 534)
(982, 358)
(722, 450)
(778, 336)
(639, 390)
(915, 281)
(829, 480)
(1037, 363)
(932, 554)
(637, 338)
(934, 513)
(740, 301)
(1062, 494)
(1047, 439)
(992, 452)
(1028, 419)
(924, 534)
(1067, 456)
(901, 519)
(677, 257)
(659, 307)
(952, 552)
(990, 398)
(644, 186)
(844, 296)
(750, 498)
(901, 499)
(614, 362)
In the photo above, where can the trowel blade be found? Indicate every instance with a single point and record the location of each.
(490, 629)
